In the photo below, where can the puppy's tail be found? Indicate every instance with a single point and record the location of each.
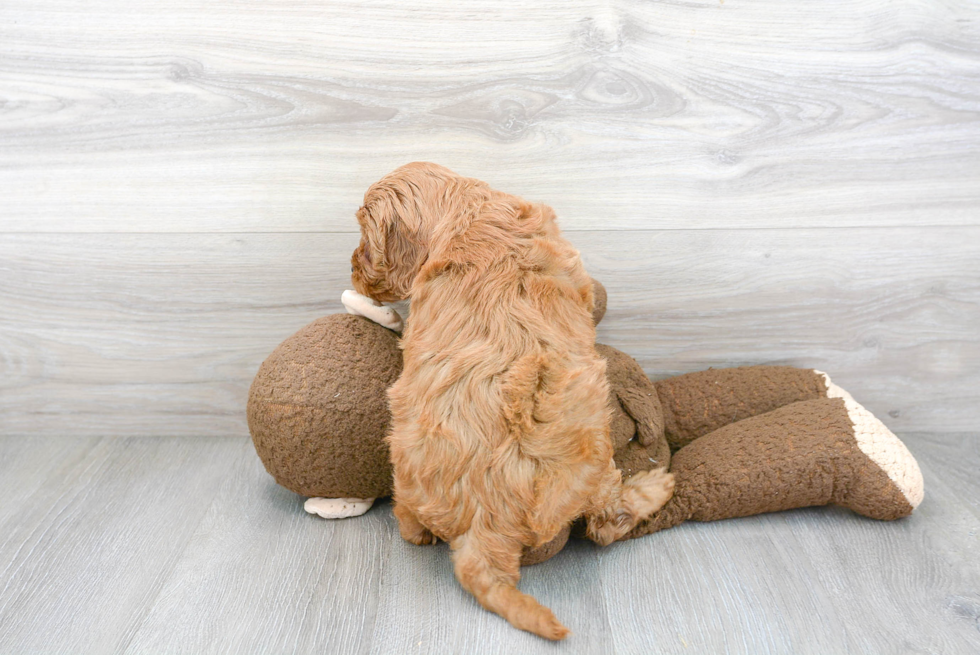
(488, 566)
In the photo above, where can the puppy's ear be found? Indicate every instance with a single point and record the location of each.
(364, 257)
(404, 253)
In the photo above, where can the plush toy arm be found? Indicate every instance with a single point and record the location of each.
(828, 450)
(644, 409)
(633, 392)
(369, 308)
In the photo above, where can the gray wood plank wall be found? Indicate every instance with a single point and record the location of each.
(754, 182)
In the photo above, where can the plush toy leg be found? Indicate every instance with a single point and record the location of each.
(338, 508)
(881, 445)
(699, 403)
(828, 450)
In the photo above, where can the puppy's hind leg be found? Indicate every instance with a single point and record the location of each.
(619, 506)
(488, 566)
(411, 528)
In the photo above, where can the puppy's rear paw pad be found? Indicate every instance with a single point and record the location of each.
(423, 537)
(654, 489)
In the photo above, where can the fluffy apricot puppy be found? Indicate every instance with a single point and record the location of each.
(500, 426)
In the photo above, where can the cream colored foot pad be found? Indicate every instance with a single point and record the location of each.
(338, 508)
(881, 445)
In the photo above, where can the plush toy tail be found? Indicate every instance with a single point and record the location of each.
(488, 566)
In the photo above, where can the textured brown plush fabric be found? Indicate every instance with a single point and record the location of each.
(317, 409)
(635, 457)
(698, 403)
(317, 412)
(537, 555)
(800, 455)
(635, 394)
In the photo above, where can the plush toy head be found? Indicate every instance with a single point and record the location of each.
(318, 412)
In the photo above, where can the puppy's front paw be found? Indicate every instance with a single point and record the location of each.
(649, 491)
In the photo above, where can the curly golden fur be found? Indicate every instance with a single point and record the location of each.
(500, 430)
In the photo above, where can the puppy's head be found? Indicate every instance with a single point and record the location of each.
(396, 221)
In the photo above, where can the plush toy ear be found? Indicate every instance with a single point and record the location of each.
(644, 408)
(636, 395)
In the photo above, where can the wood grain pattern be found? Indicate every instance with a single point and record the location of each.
(244, 116)
(953, 455)
(754, 182)
(162, 334)
(84, 554)
(424, 610)
(187, 546)
(804, 581)
(260, 575)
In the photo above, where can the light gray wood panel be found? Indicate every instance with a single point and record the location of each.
(819, 580)
(162, 334)
(152, 334)
(891, 315)
(260, 575)
(114, 556)
(954, 457)
(31, 463)
(85, 553)
(424, 610)
(245, 116)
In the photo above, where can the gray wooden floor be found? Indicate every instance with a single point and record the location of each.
(185, 545)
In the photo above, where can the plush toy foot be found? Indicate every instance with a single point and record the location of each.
(338, 508)
(369, 308)
(881, 446)
(828, 450)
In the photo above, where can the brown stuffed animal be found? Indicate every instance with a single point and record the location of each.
(745, 440)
